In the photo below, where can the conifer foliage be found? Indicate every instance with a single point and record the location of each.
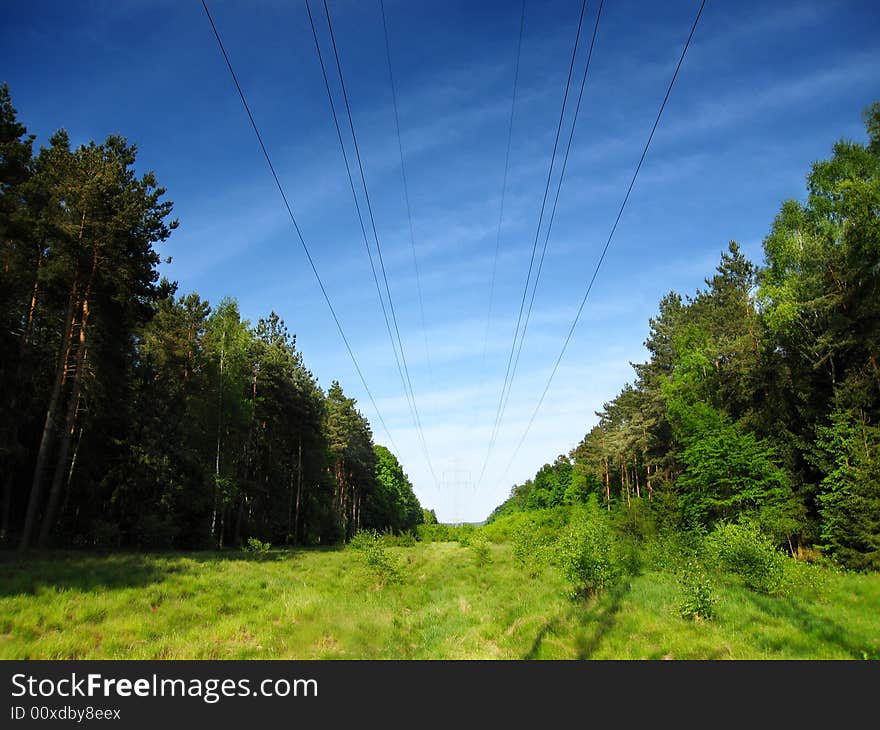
(133, 415)
(760, 400)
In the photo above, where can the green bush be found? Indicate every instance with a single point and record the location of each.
(742, 549)
(432, 532)
(699, 599)
(363, 539)
(528, 548)
(391, 539)
(589, 554)
(383, 564)
(256, 547)
(464, 534)
(636, 520)
(445, 533)
(480, 549)
(546, 524)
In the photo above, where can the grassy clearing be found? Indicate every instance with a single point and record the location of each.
(451, 602)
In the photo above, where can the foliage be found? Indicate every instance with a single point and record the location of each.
(479, 548)
(125, 403)
(393, 505)
(363, 539)
(850, 494)
(385, 567)
(698, 603)
(255, 546)
(528, 548)
(760, 399)
(589, 554)
(371, 545)
(742, 549)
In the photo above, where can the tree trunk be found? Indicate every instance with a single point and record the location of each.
(299, 481)
(61, 462)
(217, 453)
(49, 426)
(290, 492)
(70, 471)
(238, 519)
(70, 420)
(607, 485)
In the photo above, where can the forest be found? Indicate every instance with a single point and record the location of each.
(179, 485)
(760, 401)
(135, 415)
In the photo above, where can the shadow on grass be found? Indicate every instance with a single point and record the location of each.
(28, 575)
(108, 570)
(817, 627)
(596, 617)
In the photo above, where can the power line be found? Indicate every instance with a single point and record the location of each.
(522, 20)
(375, 232)
(412, 238)
(357, 204)
(295, 224)
(610, 237)
(555, 203)
(534, 245)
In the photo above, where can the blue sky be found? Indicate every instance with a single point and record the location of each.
(765, 90)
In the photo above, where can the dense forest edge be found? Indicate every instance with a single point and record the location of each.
(725, 505)
(756, 414)
(136, 416)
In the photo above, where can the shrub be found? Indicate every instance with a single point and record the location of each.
(699, 599)
(404, 539)
(671, 550)
(464, 534)
(742, 549)
(589, 555)
(480, 549)
(363, 539)
(528, 548)
(256, 547)
(431, 532)
(636, 521)
(383, 565)
(546, 524)
(370, 544)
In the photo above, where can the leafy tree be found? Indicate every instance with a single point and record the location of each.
(393, 505)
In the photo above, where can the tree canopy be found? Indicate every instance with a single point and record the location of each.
(760, 399)
(135, 415)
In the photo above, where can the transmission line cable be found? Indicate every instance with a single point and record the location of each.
(534, 245)
(412, 237)
(553, 209)
(375, 232)
(296, 225)
(610, 237)
(522, 19)
(358, 207)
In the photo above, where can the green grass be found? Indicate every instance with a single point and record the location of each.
(331, 604)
